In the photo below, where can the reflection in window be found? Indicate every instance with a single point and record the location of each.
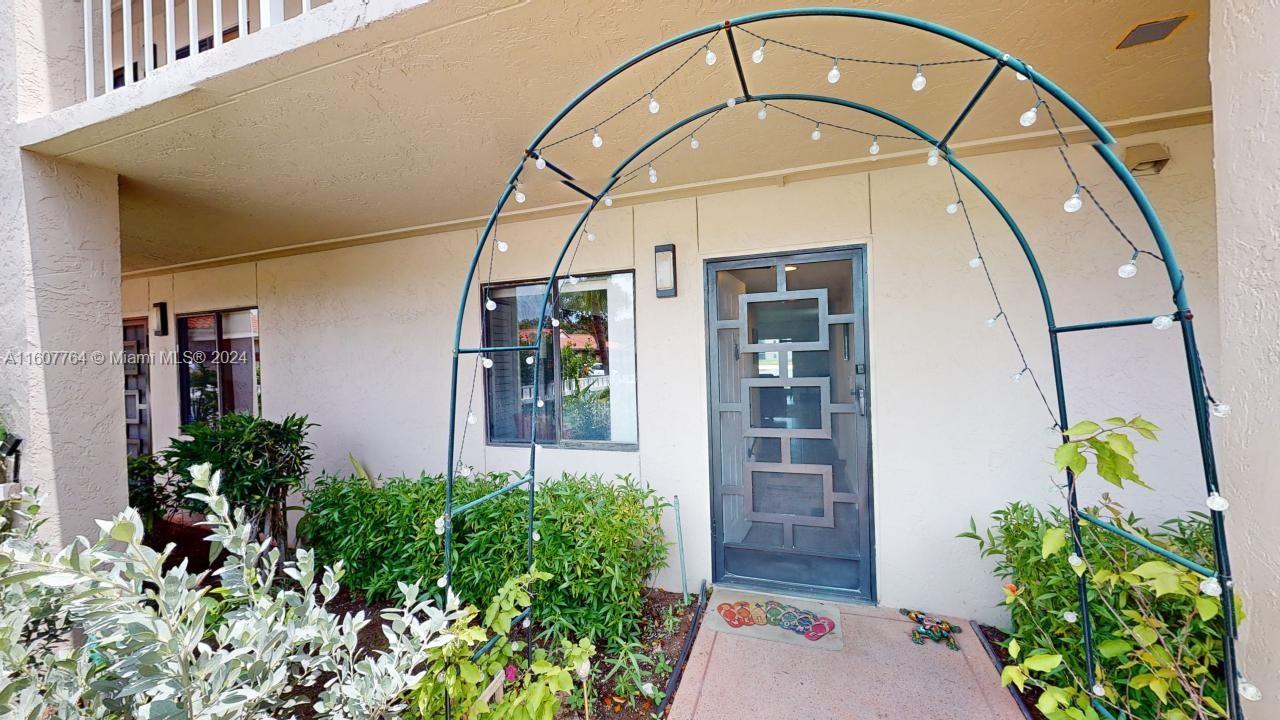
(219, 364)
(588, 384)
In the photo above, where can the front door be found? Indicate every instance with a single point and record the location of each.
(791, 440)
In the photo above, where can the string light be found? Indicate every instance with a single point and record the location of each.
(1028, 118)
(875, 145)
(1211, 587)
(1249, 691)
(596, 140)
(653, 174)
(471, 418)
(711, 56)
(817, 132)
(487, 363)
(918, 82)
(440, 525)
(541, 402)
(591, 237)
(1070, 616)
(520, 198)
(953, 208)
(731, 102)
(528, 360)
(1073, 203)
(540, 163)
(1074, 560)
(1220, 409)
(653, 105)
(833, 75)
(933, 157)
(490, 305)
(1130, 268)
(444, 580)
(1099, 690)
(573, 280)
(503, 246)
(555, 322)
(764, 111)
(991, 321)
(608, 201)
(1162, 322)
(693, 142)
(1017, 377)
(757, 57)
(975, 262)
(1216, 502)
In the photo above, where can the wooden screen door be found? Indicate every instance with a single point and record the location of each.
(790, 424)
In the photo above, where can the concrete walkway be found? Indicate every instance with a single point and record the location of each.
(880, 673)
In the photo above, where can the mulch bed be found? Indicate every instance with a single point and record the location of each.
(997, 638)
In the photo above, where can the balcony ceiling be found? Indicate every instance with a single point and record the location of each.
(344, 141)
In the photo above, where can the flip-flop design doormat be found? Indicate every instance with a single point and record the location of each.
(808, 623)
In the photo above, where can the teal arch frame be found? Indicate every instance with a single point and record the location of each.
(1103, 140)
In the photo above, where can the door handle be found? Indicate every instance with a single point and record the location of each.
(861, 395)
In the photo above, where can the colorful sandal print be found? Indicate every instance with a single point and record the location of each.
(730, 617)
(821, 627)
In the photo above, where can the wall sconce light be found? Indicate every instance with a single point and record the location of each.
(664, 270)
(160, 319)
(1146, 159)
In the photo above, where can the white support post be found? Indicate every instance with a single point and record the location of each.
(193, 27)
(272, 12)
(148, 39)
(107, 68)
(306, 6)
(89, 80)
(217, 23)
(170, 33)
(242, 17)
(126, 38)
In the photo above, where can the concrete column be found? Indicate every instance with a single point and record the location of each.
(68, 242)
(1246, 118)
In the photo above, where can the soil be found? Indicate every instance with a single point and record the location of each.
(1031, 694)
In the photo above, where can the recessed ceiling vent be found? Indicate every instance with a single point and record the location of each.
(1150, 32)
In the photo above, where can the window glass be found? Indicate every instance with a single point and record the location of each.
(588, 383)
(219, 368)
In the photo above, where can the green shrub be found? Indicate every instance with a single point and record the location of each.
(148, 493)
(261, 462)
(599, 540)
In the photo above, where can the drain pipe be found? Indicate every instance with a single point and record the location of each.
(684, 579)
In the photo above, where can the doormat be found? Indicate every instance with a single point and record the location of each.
(808, 623)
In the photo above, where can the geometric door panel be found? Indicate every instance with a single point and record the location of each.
(791, 437)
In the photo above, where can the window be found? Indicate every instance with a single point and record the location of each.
(588, 385)
(218, 364)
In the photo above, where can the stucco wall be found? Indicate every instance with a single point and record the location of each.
(358, 338)
(1246, 101)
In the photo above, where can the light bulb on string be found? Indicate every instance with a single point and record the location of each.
(764, 111)
(608, 201)
(1249, 691)
(503, 246)
(471, 418)
(1216, 502)
(1073, 203)
(541, 402)
(875, 146)
(1017, 377)
(591, 237)
(1162, 322)
(1074, 560)
(442, 581)
(596, 140)
(731, 102)
(1020, 76)
(933, 157)
(1211, 587)
(540, 163)
(918, 82)
(653, 174)
(490, 305)
(1070, 616)
(817, 132)
(653, 105)
(573, 280)
(833, 75)
(520, 197)
(953, 208)
(710, 56)
(693, 142)
(757, 57)
(528, 360)
(1220, 409)
(487, 363)
(555, 322)
(1099, 690)
(975, 262)
(1028, 118)
(440, 525)
(1128, 269)
(991, 321)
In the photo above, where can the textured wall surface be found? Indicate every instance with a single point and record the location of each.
(358, 338)
(1246, 102)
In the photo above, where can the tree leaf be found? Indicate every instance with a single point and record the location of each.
(1054, 540)
(1014, 648)
(1207, 607)
(1043, 663)
(1084, 427)
(1115, 647)
(1013, 674)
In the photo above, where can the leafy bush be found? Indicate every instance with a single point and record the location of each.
(599, 540)
(261, 462)
(162, 645)
(1157, 634)
(148, 493)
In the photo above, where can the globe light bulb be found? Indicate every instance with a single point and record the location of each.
(1028, 118)
(1099, 690)
(528, 360)
(764, 112)
(1073, 203)
(536, 537)
(1127, 270)
(933, 157)
(731, 102)
(608, 201)
(653, 175)
(1220, 409)
(541, 402)
(442, 581)
(487, 363)
(875, 146)
(833, 75)
(520, 198)
(711, 56)
(573, 279)
(591, 237)
(1070, 616)
(991, 321)
(471, 418)
(1211, 587)
(693, 143)
(953, 208)
(503, 246)
(555, 322)
(540, 163)
(975, 261)
(490, 305)
(1162, 322)
(918, 82)
(757, 57)
(1020, 76)
(1216, 502)
(817, 132)
(653, 105)
(1249, 691)
(1074, 560)
(440, 525)
(596, 140)
(1017, 377)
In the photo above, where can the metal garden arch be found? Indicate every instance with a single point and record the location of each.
(1101, 144)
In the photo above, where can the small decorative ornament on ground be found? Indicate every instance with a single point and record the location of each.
(931, 628)
(788, 617)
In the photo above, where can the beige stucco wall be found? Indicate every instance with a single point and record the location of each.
(358, 338)
(1246, 100)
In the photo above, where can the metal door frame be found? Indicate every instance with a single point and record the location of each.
(856, 254)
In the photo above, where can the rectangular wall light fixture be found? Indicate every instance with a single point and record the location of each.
(664, 270)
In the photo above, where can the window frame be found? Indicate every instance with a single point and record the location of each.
(558, 385)
(184, 369)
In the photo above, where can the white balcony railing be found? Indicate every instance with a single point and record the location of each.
(126, 41)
